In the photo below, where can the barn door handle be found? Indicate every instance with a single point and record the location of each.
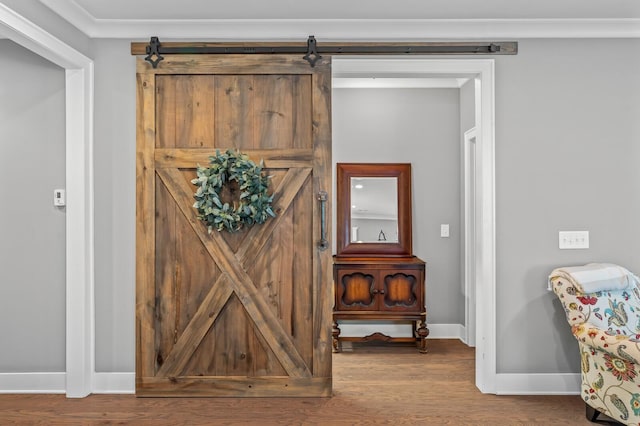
(323, 244)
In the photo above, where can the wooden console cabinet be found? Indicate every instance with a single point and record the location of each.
(375, 279)
(380, 289)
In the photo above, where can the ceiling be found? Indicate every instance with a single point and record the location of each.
(360, 19)
(358, 9)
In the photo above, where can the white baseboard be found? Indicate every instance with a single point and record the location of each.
(446, 331)
(436, 331)
(114, 383)
(538, 384)
(33, 383)
(119, 383)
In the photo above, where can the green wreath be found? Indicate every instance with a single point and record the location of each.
(253, 205)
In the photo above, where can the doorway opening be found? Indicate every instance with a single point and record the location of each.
(77, 380)
(478, 263)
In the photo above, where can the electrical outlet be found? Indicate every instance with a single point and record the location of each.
(568, 240)
(444, 230)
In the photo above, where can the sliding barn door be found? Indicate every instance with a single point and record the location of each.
(243, 314)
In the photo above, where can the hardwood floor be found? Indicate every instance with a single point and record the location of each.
(373, 385)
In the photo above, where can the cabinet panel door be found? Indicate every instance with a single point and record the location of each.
(355, 290)
(400, 290)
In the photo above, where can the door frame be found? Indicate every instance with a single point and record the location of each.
(469, 179)
(80, 347)
(483, 72)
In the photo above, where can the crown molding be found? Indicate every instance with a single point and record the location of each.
(343, 29)
(364, 29)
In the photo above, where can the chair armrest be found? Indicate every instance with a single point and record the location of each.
(618, 345)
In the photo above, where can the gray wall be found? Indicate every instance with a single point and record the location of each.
(567, 151)
(567, 158)
(421, 127)
(115, 205)
(32, 230)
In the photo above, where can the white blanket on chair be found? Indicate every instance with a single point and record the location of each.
(594, 277)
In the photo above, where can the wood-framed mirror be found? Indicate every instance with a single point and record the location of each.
(373, 209)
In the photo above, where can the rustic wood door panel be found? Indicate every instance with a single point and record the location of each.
(234, 111)
(249, 313)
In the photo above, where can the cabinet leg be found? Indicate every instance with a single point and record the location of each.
(335, 332)
(421, 335)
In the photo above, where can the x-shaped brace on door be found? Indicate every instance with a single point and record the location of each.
(234, 278)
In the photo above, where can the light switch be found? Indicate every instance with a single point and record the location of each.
(568, 240)
(59, 199)
(444, 230)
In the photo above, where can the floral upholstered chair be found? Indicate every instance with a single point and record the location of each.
(602, 304)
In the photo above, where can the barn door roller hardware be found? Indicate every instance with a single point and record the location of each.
(313, 52)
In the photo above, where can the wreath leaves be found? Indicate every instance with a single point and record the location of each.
(253, 205)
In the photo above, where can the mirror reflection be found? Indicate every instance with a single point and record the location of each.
(374, 209)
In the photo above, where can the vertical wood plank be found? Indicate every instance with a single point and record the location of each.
(302, 126)
(145, 225)
(203, 111)
(184, 110)
(303, 234)
(321, 90)
(273, 111)
(165, 264)
(231, 356)
(234, 112)
(166, 111)
(194, 111)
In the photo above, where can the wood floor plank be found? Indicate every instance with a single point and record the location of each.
(373, 385)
